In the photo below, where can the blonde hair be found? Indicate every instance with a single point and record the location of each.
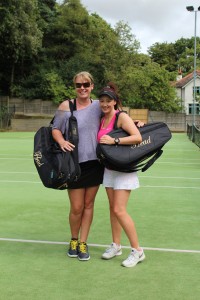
(84, 75)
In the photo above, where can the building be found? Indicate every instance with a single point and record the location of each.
(184, 87)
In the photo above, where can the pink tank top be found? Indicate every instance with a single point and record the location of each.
(103, 131)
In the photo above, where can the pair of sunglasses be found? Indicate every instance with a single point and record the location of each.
(84, 84)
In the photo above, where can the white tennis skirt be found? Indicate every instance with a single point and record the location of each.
(120, 181)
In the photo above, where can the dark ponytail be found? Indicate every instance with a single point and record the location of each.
(111, 90)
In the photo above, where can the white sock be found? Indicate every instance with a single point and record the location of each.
(116, 245)
(134, 249)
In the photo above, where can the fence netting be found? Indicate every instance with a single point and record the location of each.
(193, 132)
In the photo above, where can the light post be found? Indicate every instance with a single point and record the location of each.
(191, 9)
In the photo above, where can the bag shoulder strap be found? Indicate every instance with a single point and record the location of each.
(73, 136)
(144, 166)
(117, 116)
(71, 106)
(73, 126)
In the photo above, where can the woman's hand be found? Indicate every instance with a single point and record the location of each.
(66, 146)
(139, 123)
(106, 139)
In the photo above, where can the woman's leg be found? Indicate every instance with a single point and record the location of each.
(115, 225)
(76, 197)
(88, 211)
(119, 210)
(81, 211)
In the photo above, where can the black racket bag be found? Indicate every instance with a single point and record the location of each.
(132, 158)
(55, 167)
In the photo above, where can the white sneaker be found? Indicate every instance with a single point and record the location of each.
(112, 251)
(134, 258)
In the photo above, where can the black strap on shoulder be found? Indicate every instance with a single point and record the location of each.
(74, 104)
(73, 127)
(73, 136)
(71, 106)
(117, 116)
(51, 123)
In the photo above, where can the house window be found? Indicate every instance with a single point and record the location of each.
(197, 88)
(197, 109)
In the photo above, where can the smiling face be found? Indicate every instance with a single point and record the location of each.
(107, 104)
(83, 86)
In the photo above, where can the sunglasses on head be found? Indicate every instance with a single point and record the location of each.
(84, 84)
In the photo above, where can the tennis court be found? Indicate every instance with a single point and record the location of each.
(34, 232)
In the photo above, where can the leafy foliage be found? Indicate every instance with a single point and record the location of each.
(20, 36)
(44, 43)
(179, 55)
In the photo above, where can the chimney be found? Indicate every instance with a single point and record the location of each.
(179, 76)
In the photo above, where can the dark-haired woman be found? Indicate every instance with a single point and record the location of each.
(119, 185)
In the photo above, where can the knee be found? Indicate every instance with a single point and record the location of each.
(76, 210)
(117, 211)
(114, 208)
(89, 204)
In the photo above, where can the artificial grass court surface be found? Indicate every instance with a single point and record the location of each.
(165, 208)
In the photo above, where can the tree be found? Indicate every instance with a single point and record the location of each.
(66, 37)
(49, 42)
(20, 37)
(175, 56)
(48, 14)
(115, 48)
(147, 85)
(185, 54)
(165, 55)
(126, 38)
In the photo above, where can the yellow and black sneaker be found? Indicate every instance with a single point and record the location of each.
(73, 248)
(83, 253)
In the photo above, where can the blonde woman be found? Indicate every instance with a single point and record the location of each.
(81, 193)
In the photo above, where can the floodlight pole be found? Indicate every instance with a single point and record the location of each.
(191, 9)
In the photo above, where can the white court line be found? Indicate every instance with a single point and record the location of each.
(19, 181)
(142, 186)
(13, 158)
(31, 156)
(96, 245)
(165, 177)
(149, 177)
(17, 155)
(178, 158)
(178, 163)
(162, 162)
(18, 172)
(170, 187)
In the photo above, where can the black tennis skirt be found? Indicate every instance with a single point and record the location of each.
(91, 175)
